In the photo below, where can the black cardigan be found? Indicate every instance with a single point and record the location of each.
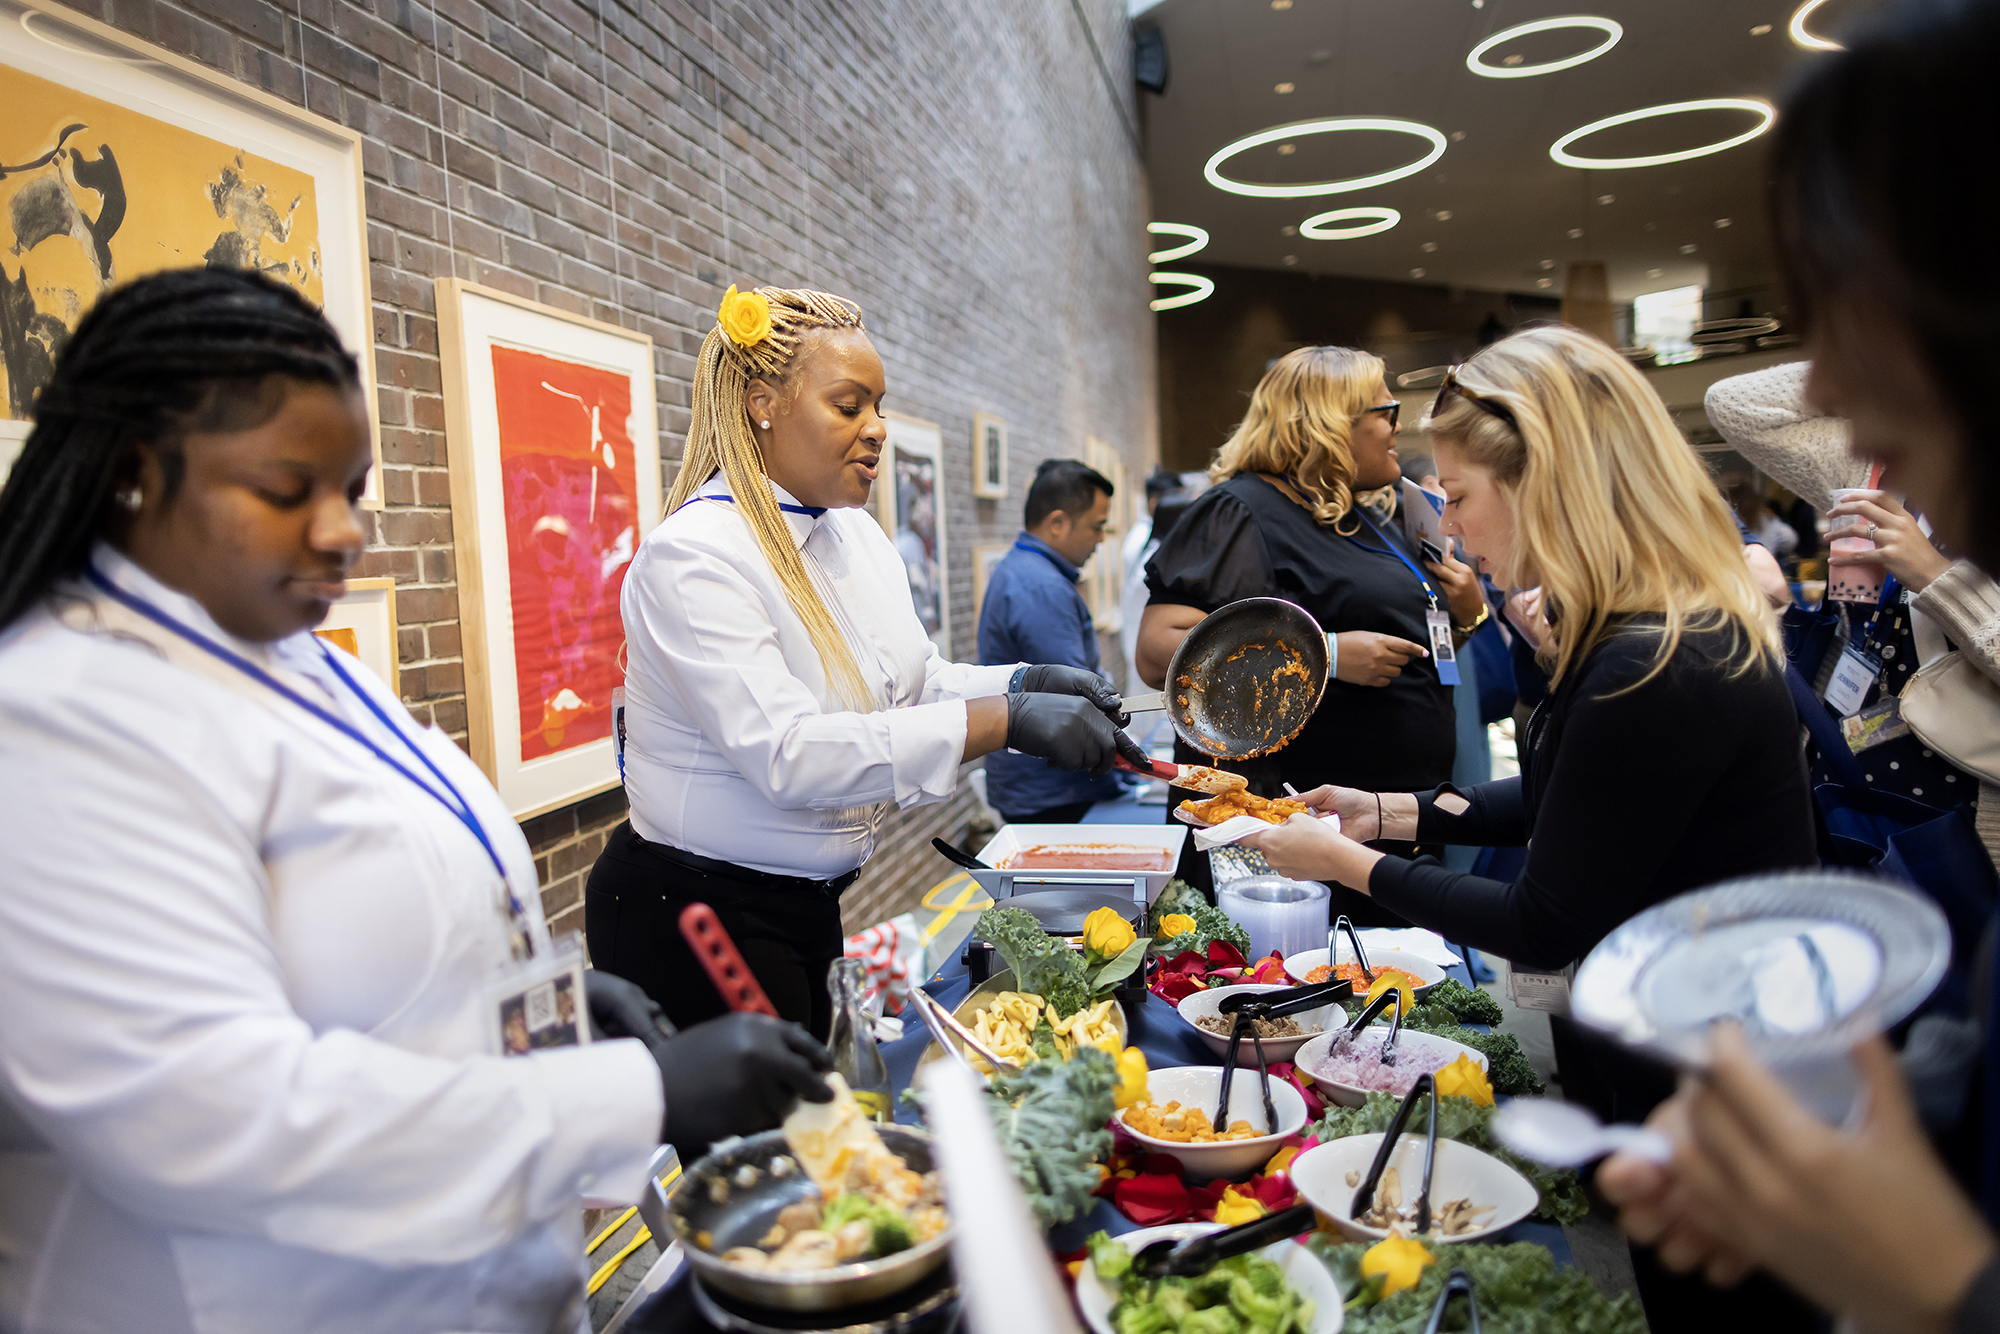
(1624, 800)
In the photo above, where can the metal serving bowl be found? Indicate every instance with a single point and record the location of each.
(711, 1213)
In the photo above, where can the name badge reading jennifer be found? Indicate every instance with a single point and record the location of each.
(1852, 676)
(1441, 650)
(536, 1004)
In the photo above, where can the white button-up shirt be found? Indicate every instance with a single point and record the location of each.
(736, 748)
(242, 965)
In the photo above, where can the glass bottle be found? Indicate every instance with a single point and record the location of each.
(852, 1043)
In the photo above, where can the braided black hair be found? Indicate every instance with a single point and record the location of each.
(175, 352)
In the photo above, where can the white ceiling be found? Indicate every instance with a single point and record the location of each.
(1511, 207)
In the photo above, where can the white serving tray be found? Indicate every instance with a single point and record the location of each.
(1015, 837)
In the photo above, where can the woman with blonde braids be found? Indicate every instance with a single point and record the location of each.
(781, 692)
(1283, 521)
(1667, 755)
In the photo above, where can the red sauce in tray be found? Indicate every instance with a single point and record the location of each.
(1088, 857)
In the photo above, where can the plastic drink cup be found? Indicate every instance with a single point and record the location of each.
(1851, 583)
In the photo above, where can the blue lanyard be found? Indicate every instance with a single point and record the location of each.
(1389, 548)
(1890, 591)
(810, 511)
(456, 804)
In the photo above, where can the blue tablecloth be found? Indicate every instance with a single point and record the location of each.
(1168, 1041)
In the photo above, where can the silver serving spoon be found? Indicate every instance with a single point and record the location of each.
(1562, 1134)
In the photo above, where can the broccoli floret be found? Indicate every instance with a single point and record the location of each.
(1215, 1320)
(1111, 1258)
(1141, 1318)
(889, 1231)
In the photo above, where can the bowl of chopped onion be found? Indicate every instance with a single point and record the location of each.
(1347, 1072)
(1174, 1119)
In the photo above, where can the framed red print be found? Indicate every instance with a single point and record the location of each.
(555, 480)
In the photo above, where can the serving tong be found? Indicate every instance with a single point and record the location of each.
(1186, 1257)
(944, 1026)
(1458, 1285)
(1364, 1195)
(1367, 1017)
(1292, 1000)
(1240, 1025)
(1341, 923)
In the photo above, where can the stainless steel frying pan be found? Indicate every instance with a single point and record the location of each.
(1245, 680)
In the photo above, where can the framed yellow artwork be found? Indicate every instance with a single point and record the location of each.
(118, 159)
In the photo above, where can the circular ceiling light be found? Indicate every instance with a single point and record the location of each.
(1803, 38)
(1319, 227)
(1213, 171)
(1764, 111)
(1612, 32)
(1200, 289)
(1196, 239)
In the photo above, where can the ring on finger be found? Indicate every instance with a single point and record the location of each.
(1871, 532)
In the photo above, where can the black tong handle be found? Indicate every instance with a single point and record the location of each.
(1341, 923)
(963, 860)
(1239, 1025)
(1375, 1007)
(1364, 1197)
(1199, 1254)
(1459, 1284)
(1278, 1004)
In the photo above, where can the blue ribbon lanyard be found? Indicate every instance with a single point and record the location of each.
(1389, 548)
(810, 511)
(455, 803)
(1891, 590)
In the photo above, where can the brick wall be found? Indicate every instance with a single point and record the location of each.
(967, 172)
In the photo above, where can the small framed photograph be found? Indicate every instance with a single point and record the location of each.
(363, 623)
(989, 457)
(984, 557)
(909, 502)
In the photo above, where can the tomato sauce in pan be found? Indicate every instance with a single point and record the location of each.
(1088, 857)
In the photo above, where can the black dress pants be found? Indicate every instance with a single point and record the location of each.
(787, 933)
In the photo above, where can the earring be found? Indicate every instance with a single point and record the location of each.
(131, 498)
(766, 425)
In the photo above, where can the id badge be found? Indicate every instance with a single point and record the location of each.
(534, 1004)
(1441, 650)
(1546, 992)
(1856, 671)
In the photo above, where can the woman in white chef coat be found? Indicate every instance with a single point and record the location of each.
(251, 915)
(781, 694)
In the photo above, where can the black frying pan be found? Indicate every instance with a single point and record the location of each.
(1245, 680)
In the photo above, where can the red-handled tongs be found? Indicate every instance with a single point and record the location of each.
(725, 967)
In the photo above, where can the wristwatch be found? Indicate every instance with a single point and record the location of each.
(1470, 630)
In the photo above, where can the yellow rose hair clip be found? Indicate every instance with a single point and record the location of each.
(744, 316)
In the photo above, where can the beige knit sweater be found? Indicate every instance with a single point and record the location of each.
(1764, 417)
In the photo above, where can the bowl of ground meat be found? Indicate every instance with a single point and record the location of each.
(1282, 1037)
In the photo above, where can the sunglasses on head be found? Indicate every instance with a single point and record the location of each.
(1486, 405)
(1394, 411)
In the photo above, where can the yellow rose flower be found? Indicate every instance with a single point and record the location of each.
(1400, 1260)
(1233, 1208)
(1175, 924)
(1384, 982)
(1106, 934)
(745, 317)
(1464, 1079)
(1131, 1078)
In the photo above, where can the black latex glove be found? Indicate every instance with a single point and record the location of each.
(736, 1075)
(622, 1009)
(1051, 679)
(1069, 732)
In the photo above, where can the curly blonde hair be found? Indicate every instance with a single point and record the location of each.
(1301, 425)
(719, 436)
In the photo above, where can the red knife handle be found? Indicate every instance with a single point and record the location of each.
(725, 967)
(1160, 769)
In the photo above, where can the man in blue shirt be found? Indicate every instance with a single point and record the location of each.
(1034, 613)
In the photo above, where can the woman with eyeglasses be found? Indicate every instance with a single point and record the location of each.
(1666, 756)
(1282, 521)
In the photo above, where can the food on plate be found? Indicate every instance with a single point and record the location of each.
(1181, 1125)
(1390, 1211)
(1202, 778)
(867, 1202)
(1357, 1063)
(1244, 1294)
(1351, 972)
(1051, 1121)
(1088, 857)
(1227, 806)
(1008, 1028)
(1264, 1029)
